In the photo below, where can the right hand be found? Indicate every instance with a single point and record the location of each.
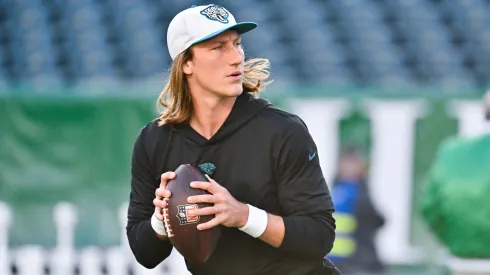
(161, 193)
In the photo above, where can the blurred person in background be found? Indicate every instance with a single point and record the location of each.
(357, 219)
(455, 202)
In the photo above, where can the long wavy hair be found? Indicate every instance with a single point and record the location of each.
(174, 102)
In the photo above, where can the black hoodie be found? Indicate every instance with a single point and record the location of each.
(263, 156)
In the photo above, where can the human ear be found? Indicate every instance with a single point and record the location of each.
(187, 67)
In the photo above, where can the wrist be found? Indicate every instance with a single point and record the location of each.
(158, 226)
(244, 217)
(256, 223)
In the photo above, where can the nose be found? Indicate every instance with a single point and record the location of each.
(235, 55)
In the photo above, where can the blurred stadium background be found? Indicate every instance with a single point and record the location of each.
(79, 78)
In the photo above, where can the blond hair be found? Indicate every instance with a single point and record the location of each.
(176, 97)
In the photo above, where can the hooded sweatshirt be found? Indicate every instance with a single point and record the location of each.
(263, 156)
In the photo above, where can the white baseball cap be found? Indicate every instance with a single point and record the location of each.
(199, 23)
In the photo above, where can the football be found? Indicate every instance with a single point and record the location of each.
(194, 245)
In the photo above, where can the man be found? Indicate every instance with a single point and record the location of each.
(268, 191)
(454, 201)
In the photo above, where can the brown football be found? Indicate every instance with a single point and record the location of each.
(194, 245)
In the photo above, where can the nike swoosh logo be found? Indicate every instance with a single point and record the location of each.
(312, 156)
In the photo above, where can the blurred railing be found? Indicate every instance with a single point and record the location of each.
(65, 259)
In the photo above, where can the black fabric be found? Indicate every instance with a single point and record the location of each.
(262, 156)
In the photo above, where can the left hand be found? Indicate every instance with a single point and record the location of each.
(227, 210)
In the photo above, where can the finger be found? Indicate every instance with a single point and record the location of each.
(159, 205)
(165, 177)
(213, 182)
(202, 198)
(158, 213)
(212, 223)
(158, 209)
(210, 179)
(204, 211)
(211, 187)
(162, 193)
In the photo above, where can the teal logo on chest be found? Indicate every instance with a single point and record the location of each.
(207, 168)
(311, 156)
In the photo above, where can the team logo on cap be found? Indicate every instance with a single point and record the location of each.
(216, 13)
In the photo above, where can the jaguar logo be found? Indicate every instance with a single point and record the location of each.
(217, 13)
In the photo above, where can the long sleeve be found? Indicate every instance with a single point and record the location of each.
(147, 248)
(305, 200)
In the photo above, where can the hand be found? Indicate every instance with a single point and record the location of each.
(161, 194)
(227, 210)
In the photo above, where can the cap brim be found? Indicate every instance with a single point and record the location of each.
(241, 28)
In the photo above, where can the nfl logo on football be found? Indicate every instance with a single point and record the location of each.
(184, 216)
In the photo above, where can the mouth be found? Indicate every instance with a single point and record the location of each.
(235, 74)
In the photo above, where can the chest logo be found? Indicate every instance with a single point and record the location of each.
(207, 168)
(311, 156)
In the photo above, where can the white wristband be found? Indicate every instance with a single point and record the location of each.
(158, 226)
(256, 223)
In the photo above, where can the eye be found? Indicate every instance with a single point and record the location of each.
(218, 47)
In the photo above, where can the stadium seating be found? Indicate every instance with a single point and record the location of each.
(29, 41)
(307, 41)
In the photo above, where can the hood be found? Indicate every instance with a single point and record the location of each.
(245, 108)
